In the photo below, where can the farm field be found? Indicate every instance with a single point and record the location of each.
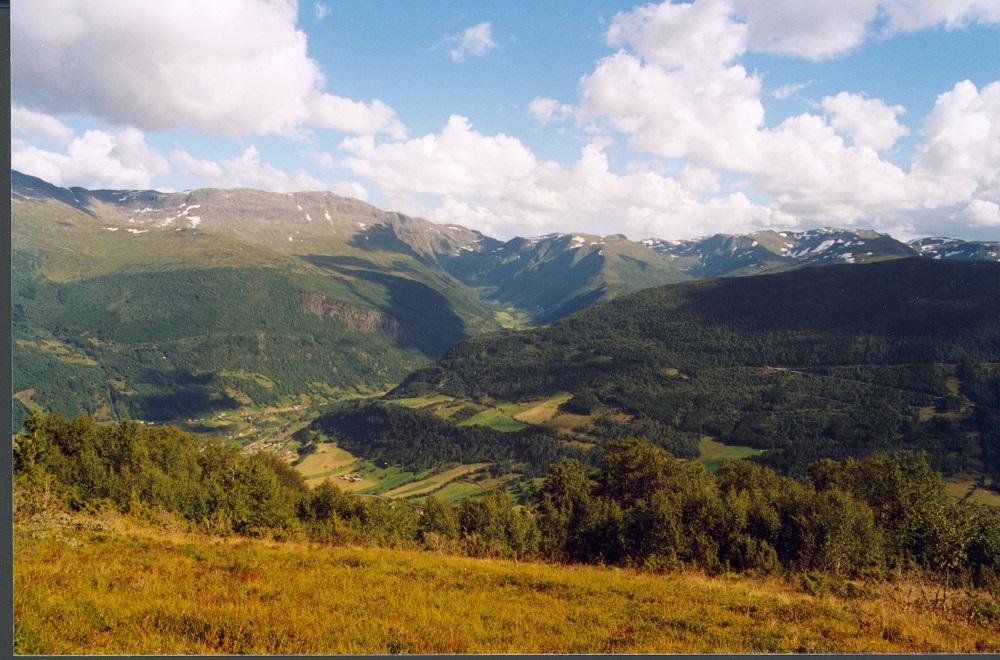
(962, 486)
(108, 586)
(712, 453)
(434, 482)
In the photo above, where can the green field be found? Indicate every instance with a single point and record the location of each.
(433, 482)
(496, 419)
(712, 453)
(454, 492)
(422, 401)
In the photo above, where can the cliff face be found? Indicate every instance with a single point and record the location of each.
(354, 317)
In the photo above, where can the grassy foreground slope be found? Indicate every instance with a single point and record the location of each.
(108, 586)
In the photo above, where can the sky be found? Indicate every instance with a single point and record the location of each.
(516, 117)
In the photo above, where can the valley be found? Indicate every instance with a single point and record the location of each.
(195, 309)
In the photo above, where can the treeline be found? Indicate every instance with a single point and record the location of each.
(641, 507)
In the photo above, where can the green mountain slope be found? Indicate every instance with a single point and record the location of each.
(128, 303)
(817, 362)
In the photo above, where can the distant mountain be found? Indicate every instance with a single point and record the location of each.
(552, 276)
(957, 250)
(213, 298)
(769, 251)
(834, 361)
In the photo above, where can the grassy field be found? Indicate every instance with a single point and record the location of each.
(539, 412)
(433, 482)
(455, 492)
(712, 453)
(962, 486)
(495, 418)
(422, 401)
(110, 587)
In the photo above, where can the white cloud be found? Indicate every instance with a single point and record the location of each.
(496, 184)
(95, 160)
(913, 15)
(679, 35)
(710, 116)
(343, 114)
(819, 30)
(457, 161)
(234, 67)
(207, 170)
(29, 124)
(321, 9)
(475, 41)
(249, 170)
(350, 189)
(811, 173)
(869, 122)
(959, 156)
(547, 110)
(982, 213)
(787, 91)
(812, 29)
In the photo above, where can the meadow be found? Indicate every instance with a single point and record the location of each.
(108, 585)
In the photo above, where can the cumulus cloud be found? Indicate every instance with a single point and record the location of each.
(26, 123)
(321, 9)
(913, 15)
(959, 156)
(710, 116)
(249, 170)
(547, 110)
(982, 213)
(496, 184)
(677, 35)
(240, 67)
(812, 29)
(819, 30)
(457, 161)
(96, 159)
(475, 41)
(869, 122)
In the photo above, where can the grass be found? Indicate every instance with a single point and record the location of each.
(326, 459)
(422, 401)
(539, 412)
(433, 482)
(495, 418)
(712, 453)
(455, 492)
(115, 588)
(964, 486)
(59, 350)
(24, 397)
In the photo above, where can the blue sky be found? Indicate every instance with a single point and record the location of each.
(670, 120)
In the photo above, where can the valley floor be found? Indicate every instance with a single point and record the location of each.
(109, 586)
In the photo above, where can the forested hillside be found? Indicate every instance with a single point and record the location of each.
(838, 361)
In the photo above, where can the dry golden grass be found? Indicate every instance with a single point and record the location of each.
(324, 461)
(539, 412)
(130, 590)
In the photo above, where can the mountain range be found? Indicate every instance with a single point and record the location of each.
(161, 305)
